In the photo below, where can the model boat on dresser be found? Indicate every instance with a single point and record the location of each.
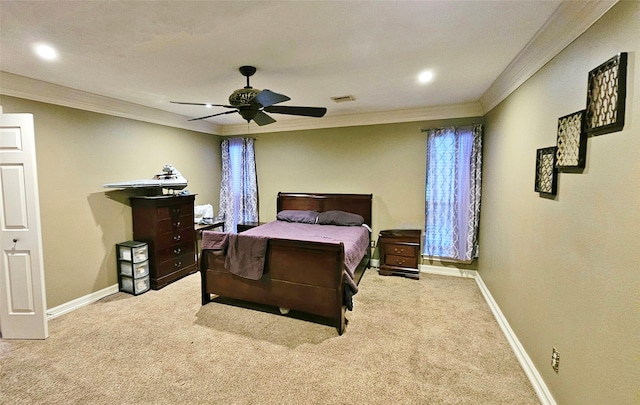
(170, 178)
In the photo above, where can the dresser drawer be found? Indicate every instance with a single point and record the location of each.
(174, 224)
(400, 249)
(174, 211)
(176, 264)
(172, 252)
(401, 261)
(179, 237)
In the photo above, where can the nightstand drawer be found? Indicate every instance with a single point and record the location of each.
(401, 261)
(398, 249)
(399, 252)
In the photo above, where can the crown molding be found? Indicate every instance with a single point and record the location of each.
(37, 90)
(570, 20)
(351, 120)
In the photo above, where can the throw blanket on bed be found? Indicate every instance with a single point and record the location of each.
(212, 240)
(246, 255)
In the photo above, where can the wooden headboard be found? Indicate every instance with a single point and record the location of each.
(355, 203)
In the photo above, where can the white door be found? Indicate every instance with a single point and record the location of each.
(22, 293)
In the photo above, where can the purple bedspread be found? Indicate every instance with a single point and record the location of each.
(354, 238)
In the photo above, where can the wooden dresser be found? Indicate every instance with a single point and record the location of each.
(399, 252)
(165, 223)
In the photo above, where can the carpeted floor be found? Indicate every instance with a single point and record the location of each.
(432, 341)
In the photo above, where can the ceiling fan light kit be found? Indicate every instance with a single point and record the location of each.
(242, 96)
(252, 103)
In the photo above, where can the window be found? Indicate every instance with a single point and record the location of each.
(452, 198)
(239, 188)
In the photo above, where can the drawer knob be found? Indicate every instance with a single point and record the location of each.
(176, 237)
(177, 251)
(177, 264)
(176, 224)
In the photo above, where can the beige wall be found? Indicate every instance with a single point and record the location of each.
(388, 161)
(78, 151)
(565, 271)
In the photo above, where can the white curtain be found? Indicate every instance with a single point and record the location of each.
(453, 190)
(239, 186)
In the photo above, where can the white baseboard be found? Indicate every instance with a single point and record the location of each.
(543, 393)
(81, 302)
(448, 271)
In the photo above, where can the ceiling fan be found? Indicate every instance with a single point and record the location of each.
(252, 103)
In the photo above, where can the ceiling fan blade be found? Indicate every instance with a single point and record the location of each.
(213, 115)
(263, 119)
(304, 111)
(268, 98)
(202, 104)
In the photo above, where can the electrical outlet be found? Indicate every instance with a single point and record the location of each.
(555, 359)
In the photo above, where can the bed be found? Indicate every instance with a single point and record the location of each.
(308, 276)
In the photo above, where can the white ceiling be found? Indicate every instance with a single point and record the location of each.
(150, 52)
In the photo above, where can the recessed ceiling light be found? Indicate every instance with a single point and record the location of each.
(425, 77)
(45, 51)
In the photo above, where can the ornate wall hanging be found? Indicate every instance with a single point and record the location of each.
(546, 172)
(571, 142)
(606, 95)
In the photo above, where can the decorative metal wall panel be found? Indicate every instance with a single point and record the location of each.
(606, 96)
(546, 172)
(572, 141)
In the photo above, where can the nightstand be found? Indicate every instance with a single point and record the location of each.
(207, 227)
(244, 226)
(399, 252)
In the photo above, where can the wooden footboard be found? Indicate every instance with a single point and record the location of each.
(298, 275)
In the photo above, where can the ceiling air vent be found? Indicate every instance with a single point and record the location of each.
(343, 99)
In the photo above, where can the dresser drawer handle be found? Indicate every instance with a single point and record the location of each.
(177, 264)
(175, 210)
(176, 224)
(396, 250)
(177, 251)
(176, 238)
(400, 262)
